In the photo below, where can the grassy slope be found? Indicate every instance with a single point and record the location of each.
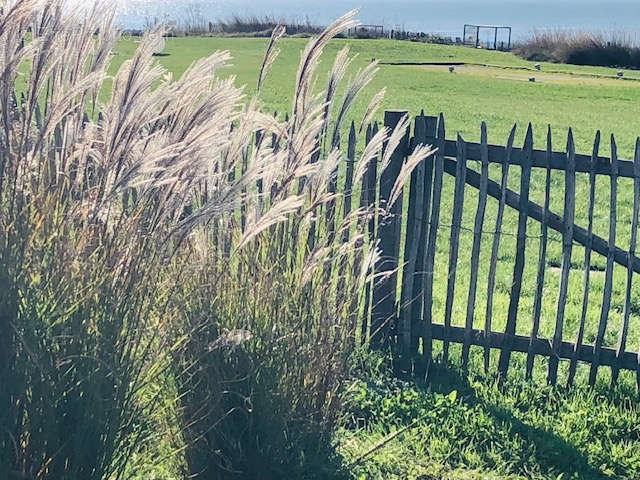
(466, 100)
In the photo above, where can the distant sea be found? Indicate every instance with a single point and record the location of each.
(445, 17)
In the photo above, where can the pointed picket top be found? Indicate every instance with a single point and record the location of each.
(571, 149)
(441, 130)
(571, 153)
(528, 141)
(549, 144)
(636, 159)
(352, 133)
(420, 129)
(596, 150)
(614, 155)
(511, 139)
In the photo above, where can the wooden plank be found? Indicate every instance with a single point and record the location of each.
(415, 219)
(541, 346)
(521, 243)
(557, 162)
(456, 221)
(427, 287)
(330, 209)
(384, 311)
(370, 184)
(330, 214)
(624, 328)
(491, 281)
(608, 279)
(431, 125)
(348, 181)
(311, 234)
(411, 210)
(477, 240)
(567, 249)
(535, 211)
(587, 263)
(364, 204)
(243, 205)
(542, 264)
(259, 182)
(348, 188)
(372, 190)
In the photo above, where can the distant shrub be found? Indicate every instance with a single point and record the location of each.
(237, 24)
(580, 48)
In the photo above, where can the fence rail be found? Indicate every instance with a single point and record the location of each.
(402, 307)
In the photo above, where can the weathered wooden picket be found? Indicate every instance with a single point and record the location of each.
(399, 310)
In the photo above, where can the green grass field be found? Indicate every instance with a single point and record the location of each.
(523, 431)
(465, 99)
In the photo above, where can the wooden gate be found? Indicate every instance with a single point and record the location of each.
(450, 197)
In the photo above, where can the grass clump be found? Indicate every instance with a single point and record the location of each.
(580, 48)
(160, 257)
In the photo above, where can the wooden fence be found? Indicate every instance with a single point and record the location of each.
(400, 309)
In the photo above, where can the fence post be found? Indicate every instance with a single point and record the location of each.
(384, 309)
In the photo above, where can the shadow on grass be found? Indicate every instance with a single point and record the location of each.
(552, 453)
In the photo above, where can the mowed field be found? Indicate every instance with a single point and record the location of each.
(494, 88)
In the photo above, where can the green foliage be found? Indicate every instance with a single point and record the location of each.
(581, 48)
(394, 402)
(468, 427)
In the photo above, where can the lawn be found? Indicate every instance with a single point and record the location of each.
(523, 431)
(465, 99)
